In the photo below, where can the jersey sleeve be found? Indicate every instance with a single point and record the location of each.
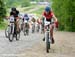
(52, 14)
(11, 13)
(43, 13)
(17, 12)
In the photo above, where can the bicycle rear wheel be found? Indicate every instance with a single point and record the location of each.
(18, 36)
(38, 28)
(10, 37)
(33, 28)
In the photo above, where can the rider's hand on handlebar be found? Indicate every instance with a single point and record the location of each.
(56, 24)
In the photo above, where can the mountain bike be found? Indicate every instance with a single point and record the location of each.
(48, 37)
(11, 30)
(26, 28)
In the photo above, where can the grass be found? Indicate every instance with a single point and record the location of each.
(3, 25)
(24, 9)
(30, 7)
(39, 11)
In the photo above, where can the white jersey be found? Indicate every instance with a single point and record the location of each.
(11, 19)
(47, 22)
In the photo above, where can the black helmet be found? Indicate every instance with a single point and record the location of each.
(25, 15)
(13, 9)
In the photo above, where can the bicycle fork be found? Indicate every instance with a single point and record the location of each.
(11, 29)
(47, 36)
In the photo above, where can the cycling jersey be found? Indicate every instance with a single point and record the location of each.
(14, 14)
(33, 20)
(25, 18)
(11, 19)
(48, 16)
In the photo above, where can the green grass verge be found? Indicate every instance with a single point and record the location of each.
(3, 25)
(30, 7)
(39, 11)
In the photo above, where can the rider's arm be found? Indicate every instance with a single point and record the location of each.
(56, 21)
(17, 12)
(11, 13)
(54, 17)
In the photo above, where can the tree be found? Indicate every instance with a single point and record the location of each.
(65, 11)
(2, 10)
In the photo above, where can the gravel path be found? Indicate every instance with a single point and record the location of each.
(33, 46)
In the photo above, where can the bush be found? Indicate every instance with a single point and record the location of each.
(65, 11)
(2, 10)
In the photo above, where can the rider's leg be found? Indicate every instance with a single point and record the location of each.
(51, 32)
(22, 24)
(44, 33)
(28, 25)
(17, 22)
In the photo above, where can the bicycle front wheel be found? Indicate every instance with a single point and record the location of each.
(47, 43)
(7, 32)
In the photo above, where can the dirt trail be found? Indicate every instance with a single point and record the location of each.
(64, 47)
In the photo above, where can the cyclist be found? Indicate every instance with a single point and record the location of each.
(33, 22)
(26, 19)
(42, 25)
(15, 13)
(49, 15)
(39, 21)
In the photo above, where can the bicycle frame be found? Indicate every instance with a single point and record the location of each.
(26, 27)
(11, 30)
(25, 23)
(47, 31)
(33, 27)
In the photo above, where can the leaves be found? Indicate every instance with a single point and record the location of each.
(2, 10)
(65, 11)
(15, 3)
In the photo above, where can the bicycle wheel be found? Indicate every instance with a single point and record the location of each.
(10, 36)
(21, 27)
(27, 29)
(7, 32)
(42, 29)
(18, 35)
(38, 28)
(24, 31)
(33, 28)
(47, 43)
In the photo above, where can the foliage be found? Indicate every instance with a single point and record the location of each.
(65, 11)
(2, 10)
(15, 3)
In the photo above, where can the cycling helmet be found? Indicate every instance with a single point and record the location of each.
(47, 9)
(13, 9)
(25, 15)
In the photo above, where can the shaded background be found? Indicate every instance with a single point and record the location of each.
(63, 9)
